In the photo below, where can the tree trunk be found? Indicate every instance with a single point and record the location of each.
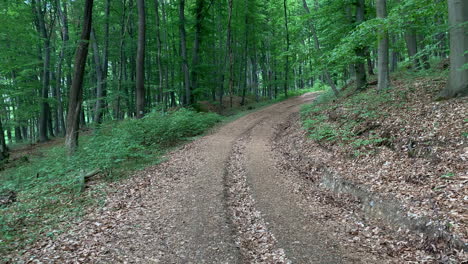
(458, 79)
(412, 46)
(118, 113)
(76, 91)
(101, 68)
(18, 132)
(159, 52)
(3, 147)
(40, 13)
(98, 108)
(383, 80)
(140, 62)
(105, 55)
(395, 55)
(361, 78)
(370, 63)
(183, 51)
(50, 126)
(246, 44)
(58, 91)
(253, 60)
(231, 57)
(196, 46)
(63, 14)
(286, 66)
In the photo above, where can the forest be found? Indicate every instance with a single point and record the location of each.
(108, 87)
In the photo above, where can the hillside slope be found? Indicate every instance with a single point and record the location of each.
(398, 157)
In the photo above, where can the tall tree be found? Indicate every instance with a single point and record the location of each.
(183, 52)
(58, 86)
(199, 16)
(3, 147)
(383, 57)
(41, 9)
(140, 62)
(76, 91)
(246, 50)
(100, 79)
(101, 67)
(231, 56)
(159, 52)
(361, 78)
(412, 46)
(286, 65)
(458, 78)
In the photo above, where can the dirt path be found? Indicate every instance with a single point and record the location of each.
(220, 199)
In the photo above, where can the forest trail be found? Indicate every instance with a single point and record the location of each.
(197, 207)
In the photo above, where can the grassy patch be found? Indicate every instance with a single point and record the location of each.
(49, 186)
(348, 120)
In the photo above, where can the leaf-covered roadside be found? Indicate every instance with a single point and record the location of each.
(49, 185)
(400, 144)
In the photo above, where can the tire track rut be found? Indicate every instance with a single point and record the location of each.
(193, 208)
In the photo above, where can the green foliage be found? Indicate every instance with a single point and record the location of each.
(348, 121)
(448, 175)
(320, 86)
(49, 186)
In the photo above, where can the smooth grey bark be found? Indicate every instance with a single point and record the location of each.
(140, 61)
(40, 15)
(458, 78)
(76, 91)
(383, 71)
(183, 51)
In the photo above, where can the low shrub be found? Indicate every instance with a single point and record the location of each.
(49, 186)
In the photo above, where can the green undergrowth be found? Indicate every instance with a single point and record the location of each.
(49, 186)
(349, 119)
